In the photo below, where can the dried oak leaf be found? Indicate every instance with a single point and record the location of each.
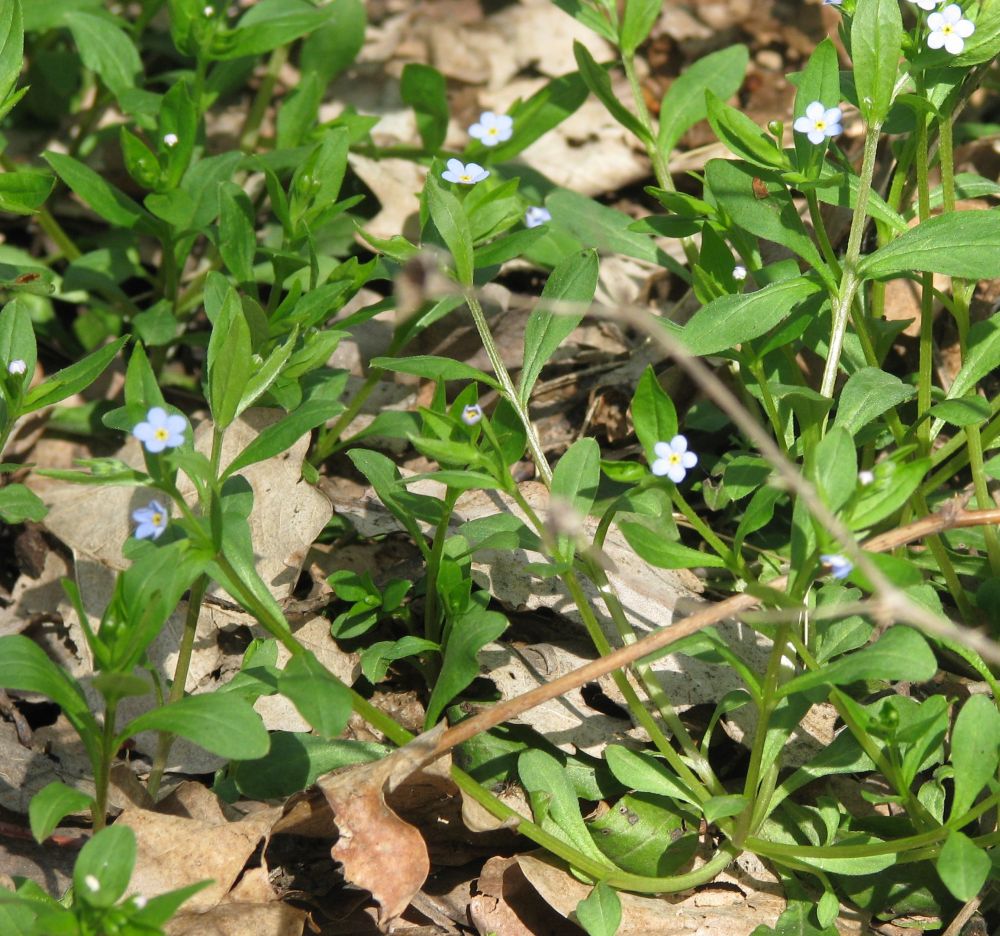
(379, 851)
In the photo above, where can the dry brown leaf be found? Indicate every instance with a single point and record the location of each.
(379, 851)
(189, 839)
(251, 909)
(729, 906)
(506, 905)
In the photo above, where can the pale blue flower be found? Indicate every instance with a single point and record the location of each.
(17, 367)
(151, 519)
(536, 216)
(492, 128)
(840, 566)
(673, 459)
(926, 4)
(469, 174)
(949, 30)
(160, 430)
(819, 122)
(472, 414)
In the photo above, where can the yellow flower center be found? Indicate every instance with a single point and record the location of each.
(465, 178)
(674, 458)
(161, 434)
(947, 29)
(820, 124)
(157, 519)
(492, 131)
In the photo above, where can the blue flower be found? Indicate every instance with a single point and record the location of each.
(471, 414)
(160, 430)
(840, 566)
(492, 128)
(673, 459)
(152, 520)
(536, 216)
(469, 174)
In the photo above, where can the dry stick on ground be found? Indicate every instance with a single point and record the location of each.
(945, 520)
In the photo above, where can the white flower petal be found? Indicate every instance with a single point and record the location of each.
(952, 13)
(815, 111)
(661, 466)
(456, 166)
(802, 124)
(816, 136)
(965, 28)
(676, 472)
(954, 44)
(935, 40)
(833, 115)
(663, 450)
(679, 443)
(935, 21)
(689, 459)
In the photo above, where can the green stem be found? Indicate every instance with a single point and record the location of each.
(953, 456)
(102, 769)
(769, 689)
(329, 440)
(704, 530)
(983, 498)
(946, 158)
(819, 226)
(432, 630)
(251, 127)
(185, 651)
(850, 281)
(756, 368)
(508, 389)
(925, 379)
(657, 158)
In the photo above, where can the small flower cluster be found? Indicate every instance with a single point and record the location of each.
(490, 129)
(17, 367)
(948, 27)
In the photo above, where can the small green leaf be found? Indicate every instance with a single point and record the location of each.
(109, 202)
(901, 653)
(585, 13)
(968, 411)
(72, 379)
(237, 239)
(835, 464)
(11, 48)
(640, 15)
(653, 413)
(449, 218)
(730, 320)
(434, 368)
(600, 912)
(975, 751)
(425, 90)
(49, 806)
(545, 109)
(960, 243)
(876, 45)
(573, 280)
(24, 191)
(868, 393)
(107, 860)
(106, 48)
(684, 103)
(18, 503)
(599, 82)
(468, 634)
(962, 866)
(322, 699)
(645, 773)
(719, 807)
(666, 554)
(742, 136)
(267, 25)
(982, 357)
(554, 801)
(577, 475)
(327, 51)
(229, 349)
(220, 722)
